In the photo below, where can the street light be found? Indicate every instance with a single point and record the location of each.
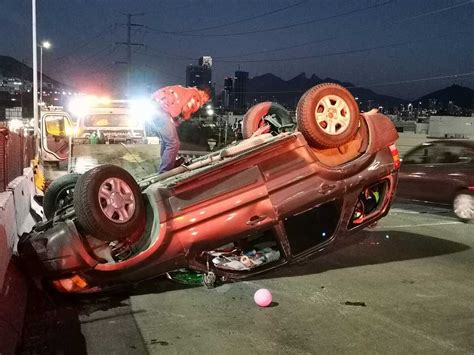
(46, 45)
(35, 77)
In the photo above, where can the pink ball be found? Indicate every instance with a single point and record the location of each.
(263, 297)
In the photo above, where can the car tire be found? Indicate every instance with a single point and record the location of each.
(59, 194)
(327, 116)
(109, 204)
(463, 206)
(253, 118)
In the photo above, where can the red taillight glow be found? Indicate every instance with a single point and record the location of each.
(70, 284)
(395, 156)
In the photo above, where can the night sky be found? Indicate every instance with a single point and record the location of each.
(371, 43)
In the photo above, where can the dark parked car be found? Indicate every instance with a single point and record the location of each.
(269, 200)
(440, 172)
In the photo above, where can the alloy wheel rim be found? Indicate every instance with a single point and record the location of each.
(463, 206)
(116, 200)
(332, 115)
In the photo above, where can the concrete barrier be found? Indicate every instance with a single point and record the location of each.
(8, 231)
(21, 189)
(15, 219)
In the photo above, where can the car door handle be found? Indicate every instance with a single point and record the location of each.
(255, 220)
(326, 188)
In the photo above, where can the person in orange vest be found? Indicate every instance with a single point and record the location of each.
(175, 104)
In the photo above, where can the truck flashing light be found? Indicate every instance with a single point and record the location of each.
(81, 105)
(141, 109)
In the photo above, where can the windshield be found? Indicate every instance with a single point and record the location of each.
(108, 120)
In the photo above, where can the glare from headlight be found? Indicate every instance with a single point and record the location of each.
(142, 110)
(15, 124)
(80, 106)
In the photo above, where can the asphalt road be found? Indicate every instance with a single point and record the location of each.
(405, 286)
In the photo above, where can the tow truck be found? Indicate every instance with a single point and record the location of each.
(92, 131)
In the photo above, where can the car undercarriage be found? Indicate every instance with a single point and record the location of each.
(248, 208)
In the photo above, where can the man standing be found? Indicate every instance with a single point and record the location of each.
(175, 103)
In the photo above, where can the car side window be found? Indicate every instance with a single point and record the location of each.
(422, 155)
(454, 154)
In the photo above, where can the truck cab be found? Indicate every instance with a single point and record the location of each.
(110, 121)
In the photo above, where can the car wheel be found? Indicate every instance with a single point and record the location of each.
(327, 116)
(108, 203)
(59, 194)
(463, 206)
(254, 118)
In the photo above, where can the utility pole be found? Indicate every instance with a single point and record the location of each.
(129, 45)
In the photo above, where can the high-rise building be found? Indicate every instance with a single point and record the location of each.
(227, 95)
(200, 74)
(240, 88)
(205, 61)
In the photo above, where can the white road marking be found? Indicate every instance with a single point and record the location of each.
(416, 225)
(419, 210)
(401, 210)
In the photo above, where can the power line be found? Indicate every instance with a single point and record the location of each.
(416, 80)
(84, 59)
(436, 11)
(154, 30)
(439, 77)
(383, 26)
(86, 42)
(100, 69)
(245, 19)
(360, 50)
(111, 48)
(281, 48)
(164, 54)
(174, 56)
(336, 53)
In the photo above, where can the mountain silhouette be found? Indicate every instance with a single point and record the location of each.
(12, 68)
(459, 95)
(269, 87)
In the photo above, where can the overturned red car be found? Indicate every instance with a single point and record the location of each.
(278, 196)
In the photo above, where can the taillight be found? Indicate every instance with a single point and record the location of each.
(395, 156)
(71, 284)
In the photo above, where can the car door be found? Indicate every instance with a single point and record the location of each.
(457, 170)
(434, 172)
(418, 174)
(56, 128)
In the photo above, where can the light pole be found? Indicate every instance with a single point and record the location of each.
(46, 45)
(35, 76)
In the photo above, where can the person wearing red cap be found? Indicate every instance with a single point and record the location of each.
(175, 103)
